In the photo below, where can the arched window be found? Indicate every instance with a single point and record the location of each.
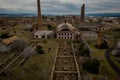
(36, 36)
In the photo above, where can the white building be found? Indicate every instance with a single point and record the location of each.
(43, 34)
(63, 31)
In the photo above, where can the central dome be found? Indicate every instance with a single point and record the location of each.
(65, 27)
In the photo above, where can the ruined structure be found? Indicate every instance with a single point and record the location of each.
(82, 18)
(99, 41)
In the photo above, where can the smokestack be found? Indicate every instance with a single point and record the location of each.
(83, 13)
(99, 41)
(39, 15)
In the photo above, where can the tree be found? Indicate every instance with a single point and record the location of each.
(81, 46)
(84, 52)
(39, 50)
(104, 45)
(49, 27)
(4, 35)
(92, 66)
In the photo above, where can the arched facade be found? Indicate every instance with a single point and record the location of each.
(65, 31)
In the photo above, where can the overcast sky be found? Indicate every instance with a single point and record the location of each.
(60, 6)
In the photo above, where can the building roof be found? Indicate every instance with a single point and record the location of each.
(118, 44)
(43, 32)
(10, 40)
(66, 25)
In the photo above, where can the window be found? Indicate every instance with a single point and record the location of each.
(36, 36)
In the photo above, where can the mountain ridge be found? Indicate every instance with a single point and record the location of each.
(34, 15)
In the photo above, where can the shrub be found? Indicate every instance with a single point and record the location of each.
(76, 41)
(39, 49)
(104, 45)
(81, 46)
(49, 27)
(4, 35)
(84, 52)
(92, 66)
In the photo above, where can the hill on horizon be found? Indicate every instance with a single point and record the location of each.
(34, 15)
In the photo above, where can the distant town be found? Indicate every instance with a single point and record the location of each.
(59, 47)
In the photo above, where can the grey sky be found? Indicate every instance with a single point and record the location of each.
(60, 6)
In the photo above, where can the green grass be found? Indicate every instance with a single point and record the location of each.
(19, 31)
(39, 66)
(5, 56)
(115, 61)
(97, 53)
(107, 71)
(95, 77)
(105, 68)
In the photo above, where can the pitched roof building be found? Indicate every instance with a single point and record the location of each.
(10, 40)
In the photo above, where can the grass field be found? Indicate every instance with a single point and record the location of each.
(39, 66)
(19, 31)
(115, 61)
(4, 56)
(97, 53)
(105, 68)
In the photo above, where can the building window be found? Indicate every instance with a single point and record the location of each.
(68, 37)
(36, 36)
(43, 36)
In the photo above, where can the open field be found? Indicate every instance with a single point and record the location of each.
(105, 69)
(3, 57)
(97, 53)
(39, 66)
(115, 61)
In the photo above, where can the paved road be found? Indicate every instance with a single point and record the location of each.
(113, 65)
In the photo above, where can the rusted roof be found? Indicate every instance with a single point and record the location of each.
(10, 40)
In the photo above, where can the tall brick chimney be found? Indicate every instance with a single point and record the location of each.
(39, 15)
(99, 40)
(82, 13)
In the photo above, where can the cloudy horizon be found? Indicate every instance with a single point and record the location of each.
(59, 6)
